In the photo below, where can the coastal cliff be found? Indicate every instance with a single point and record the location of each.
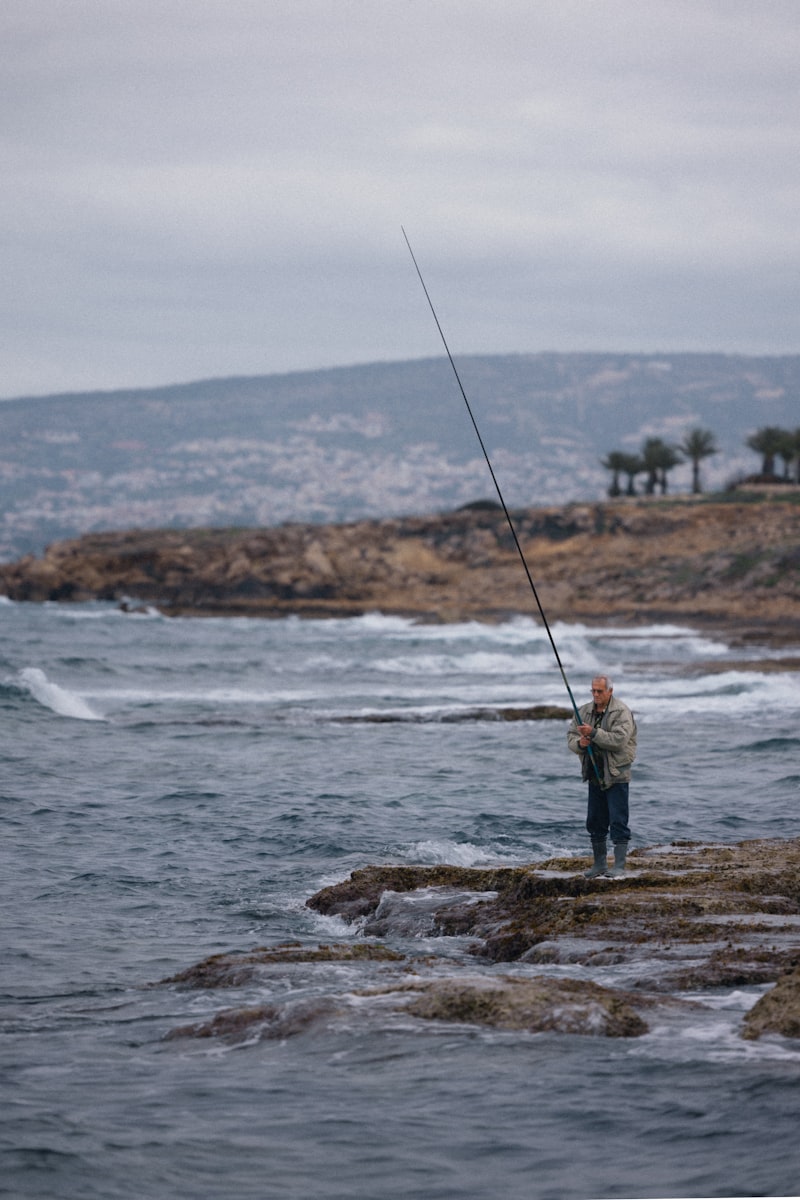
(720, 561)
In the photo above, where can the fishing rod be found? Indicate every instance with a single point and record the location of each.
(502, 502)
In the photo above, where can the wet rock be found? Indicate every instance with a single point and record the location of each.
(531, 712)
(238, 969)
(732, 966)
(259, 1022)
(687, 916)
(675, 900)
(426, 912)
(536, 1005)
(778, 1011)
(360, 895)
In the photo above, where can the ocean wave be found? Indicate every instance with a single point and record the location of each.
(731, 693)
(102, 610)
(517, 629)
(779, 743)
(433, 851)
(521, 647)
(59, 700)
(479, 662)
(715, 1037)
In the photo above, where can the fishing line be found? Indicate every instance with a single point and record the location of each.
(502, 501)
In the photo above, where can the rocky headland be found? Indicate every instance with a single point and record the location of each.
(732, 561)
(546, 950)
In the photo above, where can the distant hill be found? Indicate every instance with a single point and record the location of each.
(368, 441)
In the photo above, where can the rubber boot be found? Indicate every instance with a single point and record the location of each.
(618, 869)
(600, 864)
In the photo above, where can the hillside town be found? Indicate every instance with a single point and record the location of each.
(387, 439)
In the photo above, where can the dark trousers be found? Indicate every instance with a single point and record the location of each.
(608, 809)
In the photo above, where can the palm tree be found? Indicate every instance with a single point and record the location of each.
(697, 445)
(632, 466)
(767, 442)
(615, 463)
(658, 458)
(787, 450)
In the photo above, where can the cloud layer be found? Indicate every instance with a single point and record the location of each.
(217, 187)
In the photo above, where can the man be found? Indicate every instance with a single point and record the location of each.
(605, 739)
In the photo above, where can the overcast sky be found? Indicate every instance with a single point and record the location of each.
(196, 188)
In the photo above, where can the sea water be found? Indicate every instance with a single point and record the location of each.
(174, 788)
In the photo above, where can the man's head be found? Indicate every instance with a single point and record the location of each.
(602, 688)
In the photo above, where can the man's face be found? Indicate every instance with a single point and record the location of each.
(600, 693)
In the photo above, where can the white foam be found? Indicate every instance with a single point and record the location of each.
(53, 696)
(521, 647)
(647, 633)
(458, 854)
(523, 629)
(330, 926)
(479, 662)
(737, 1000)
(80, 612)
(725, 692)
(718, 1041)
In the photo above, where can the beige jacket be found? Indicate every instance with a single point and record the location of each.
(615, 737)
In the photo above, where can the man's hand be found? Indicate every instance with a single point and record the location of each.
(586, 732)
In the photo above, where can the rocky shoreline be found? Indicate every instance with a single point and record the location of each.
(686, 920)
(730, 563)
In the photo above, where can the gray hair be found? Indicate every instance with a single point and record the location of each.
(607, 683)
